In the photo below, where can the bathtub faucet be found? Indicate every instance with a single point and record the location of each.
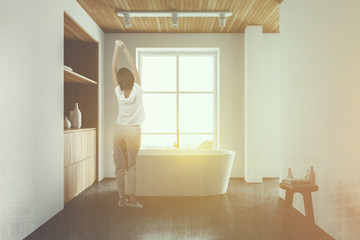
(177, 145)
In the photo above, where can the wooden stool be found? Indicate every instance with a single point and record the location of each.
(306, 192)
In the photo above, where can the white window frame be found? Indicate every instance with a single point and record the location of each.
(215, 52)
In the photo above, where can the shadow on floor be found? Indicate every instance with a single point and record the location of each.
(246, 211)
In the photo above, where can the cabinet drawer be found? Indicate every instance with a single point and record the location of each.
(78, 177)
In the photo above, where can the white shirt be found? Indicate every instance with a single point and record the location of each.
(131, 109)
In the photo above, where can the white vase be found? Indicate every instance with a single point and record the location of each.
(312, 176)
(67, 123)
(76, 117)
(71, 116)
(307, 174)
(289, 174)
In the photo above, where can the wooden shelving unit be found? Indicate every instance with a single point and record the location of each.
(73, 77)
(81, 53)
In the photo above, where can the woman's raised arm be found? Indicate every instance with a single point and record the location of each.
(132, 64)
(114, 62)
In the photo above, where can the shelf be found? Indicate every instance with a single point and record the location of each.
(73, 77)
(78, 129)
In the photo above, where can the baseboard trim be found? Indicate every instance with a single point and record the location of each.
(262, 178)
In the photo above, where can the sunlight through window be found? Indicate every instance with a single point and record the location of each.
(180, 93)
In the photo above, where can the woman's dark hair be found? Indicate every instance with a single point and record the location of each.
(125, 79)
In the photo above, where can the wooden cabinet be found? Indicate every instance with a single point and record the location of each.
(81, 54)
(80, 167)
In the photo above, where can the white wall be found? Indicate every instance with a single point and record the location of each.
(270, 105)
(254, 98)
(261, 104)
(31, 140)
(231, 85)
(320, 106)
(32, 85)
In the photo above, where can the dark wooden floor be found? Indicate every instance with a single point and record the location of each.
(246, 211)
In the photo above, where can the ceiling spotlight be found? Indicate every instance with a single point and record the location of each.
(222, 20)
(127, 20)
(174, 20)
(222, 15)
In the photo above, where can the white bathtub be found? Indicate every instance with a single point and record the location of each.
(183, 172)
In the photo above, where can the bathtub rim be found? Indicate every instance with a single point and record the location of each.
(185, 152)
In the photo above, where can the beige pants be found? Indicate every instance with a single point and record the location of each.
(126, 148)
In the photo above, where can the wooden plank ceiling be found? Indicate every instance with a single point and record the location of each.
(245, 12)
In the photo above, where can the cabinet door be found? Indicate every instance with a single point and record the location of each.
(85, 144)
(88, 144)
(72, 181)
(75, 147)
(81, 175)
(67, 149)
(92, 150)
(92, 170)
(66, 182)
(88, 172)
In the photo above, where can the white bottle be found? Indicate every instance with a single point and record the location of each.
(307, 174)
(76, 118)
(312, 175)
(71, 116)
(289, 174)
(67, 123)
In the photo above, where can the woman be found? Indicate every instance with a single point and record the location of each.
(127, 134)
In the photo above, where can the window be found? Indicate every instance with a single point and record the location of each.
(180, 97)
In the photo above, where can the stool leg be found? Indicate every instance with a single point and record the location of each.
(309, 210)
(289, 195)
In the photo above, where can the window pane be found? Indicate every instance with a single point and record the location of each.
(152, 141)
(196, 73)
(196, 113)
(160, 113)
(158, 73)
(189, 141)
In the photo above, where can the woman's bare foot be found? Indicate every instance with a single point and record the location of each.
(122, 202)
(133, 202)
